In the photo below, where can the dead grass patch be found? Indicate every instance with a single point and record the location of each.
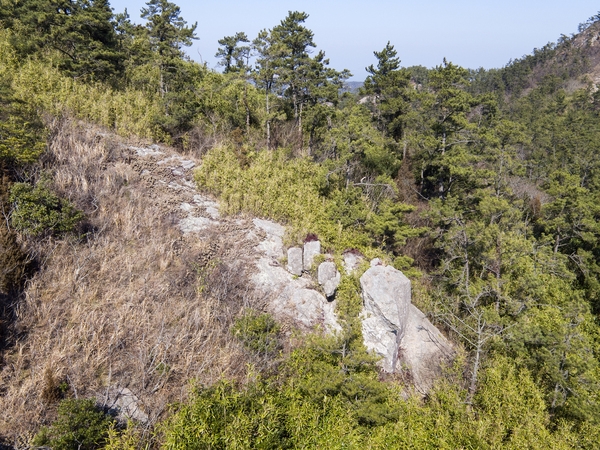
(129, 303)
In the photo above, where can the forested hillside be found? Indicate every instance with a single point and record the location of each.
(483, 186)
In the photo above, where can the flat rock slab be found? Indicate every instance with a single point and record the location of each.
(153, 150)
(211, 207)
(176, 162)
(272, 246)
(196, 224)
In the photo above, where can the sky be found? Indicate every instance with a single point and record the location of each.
(469, 33)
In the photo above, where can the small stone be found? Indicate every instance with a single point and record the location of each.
(328, 277)
(376, 262)
(294, 265)
(311, 249)
(352, 261)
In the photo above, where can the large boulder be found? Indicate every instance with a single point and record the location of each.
(398, 331)
(386, 299)
(328, 277)
(423, 351)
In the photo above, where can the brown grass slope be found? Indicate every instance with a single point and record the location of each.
(134, 303)
(575, 61)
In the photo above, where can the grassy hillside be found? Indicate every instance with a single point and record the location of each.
(483, 187)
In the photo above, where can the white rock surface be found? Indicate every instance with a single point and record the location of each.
(386, 301)
(289, 298)
(311, 249)
(424, 350)
(211, 207)
(351, 261)
(193, 224)
(272, 246)
(328, 277)
(376, 262)
(294, 262)
(152, 150)
(124, 403)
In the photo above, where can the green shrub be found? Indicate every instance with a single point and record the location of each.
(80, 425)
(257, 331)
(306, 196)
(37, 210)
(227, 416)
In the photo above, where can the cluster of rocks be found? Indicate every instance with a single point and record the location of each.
(393, 328)
(302, 259)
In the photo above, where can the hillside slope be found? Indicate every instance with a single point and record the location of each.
(135, 303)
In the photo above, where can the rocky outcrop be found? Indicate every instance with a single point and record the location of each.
(392, 327)
(397, 330)
(328, 277)
(386, 299)
(289, 298)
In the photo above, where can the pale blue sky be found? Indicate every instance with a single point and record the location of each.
(467, 32)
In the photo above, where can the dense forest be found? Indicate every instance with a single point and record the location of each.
(483, 186)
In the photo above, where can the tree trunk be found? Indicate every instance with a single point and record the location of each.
(268, 122)
(247, 107)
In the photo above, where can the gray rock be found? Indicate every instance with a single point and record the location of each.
(193, 224)
(290, 299)
(376, 262)
(174, 162)
(294, 264)
(125, 405)
(153, 150)
(272, 246)
(351, 261)
(186, 207)
(328, 277)
(311, 249)
(423, 350)
(211, 207)
(386, 298)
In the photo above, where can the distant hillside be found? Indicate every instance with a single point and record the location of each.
(570, 63)
(352, 86)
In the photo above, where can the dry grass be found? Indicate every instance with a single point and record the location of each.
(132, 304)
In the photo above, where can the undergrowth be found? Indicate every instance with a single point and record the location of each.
(307, 197)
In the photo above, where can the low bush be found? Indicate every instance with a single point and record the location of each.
(80, 425)
(307, 197)
(37, 210)
(257, 331)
